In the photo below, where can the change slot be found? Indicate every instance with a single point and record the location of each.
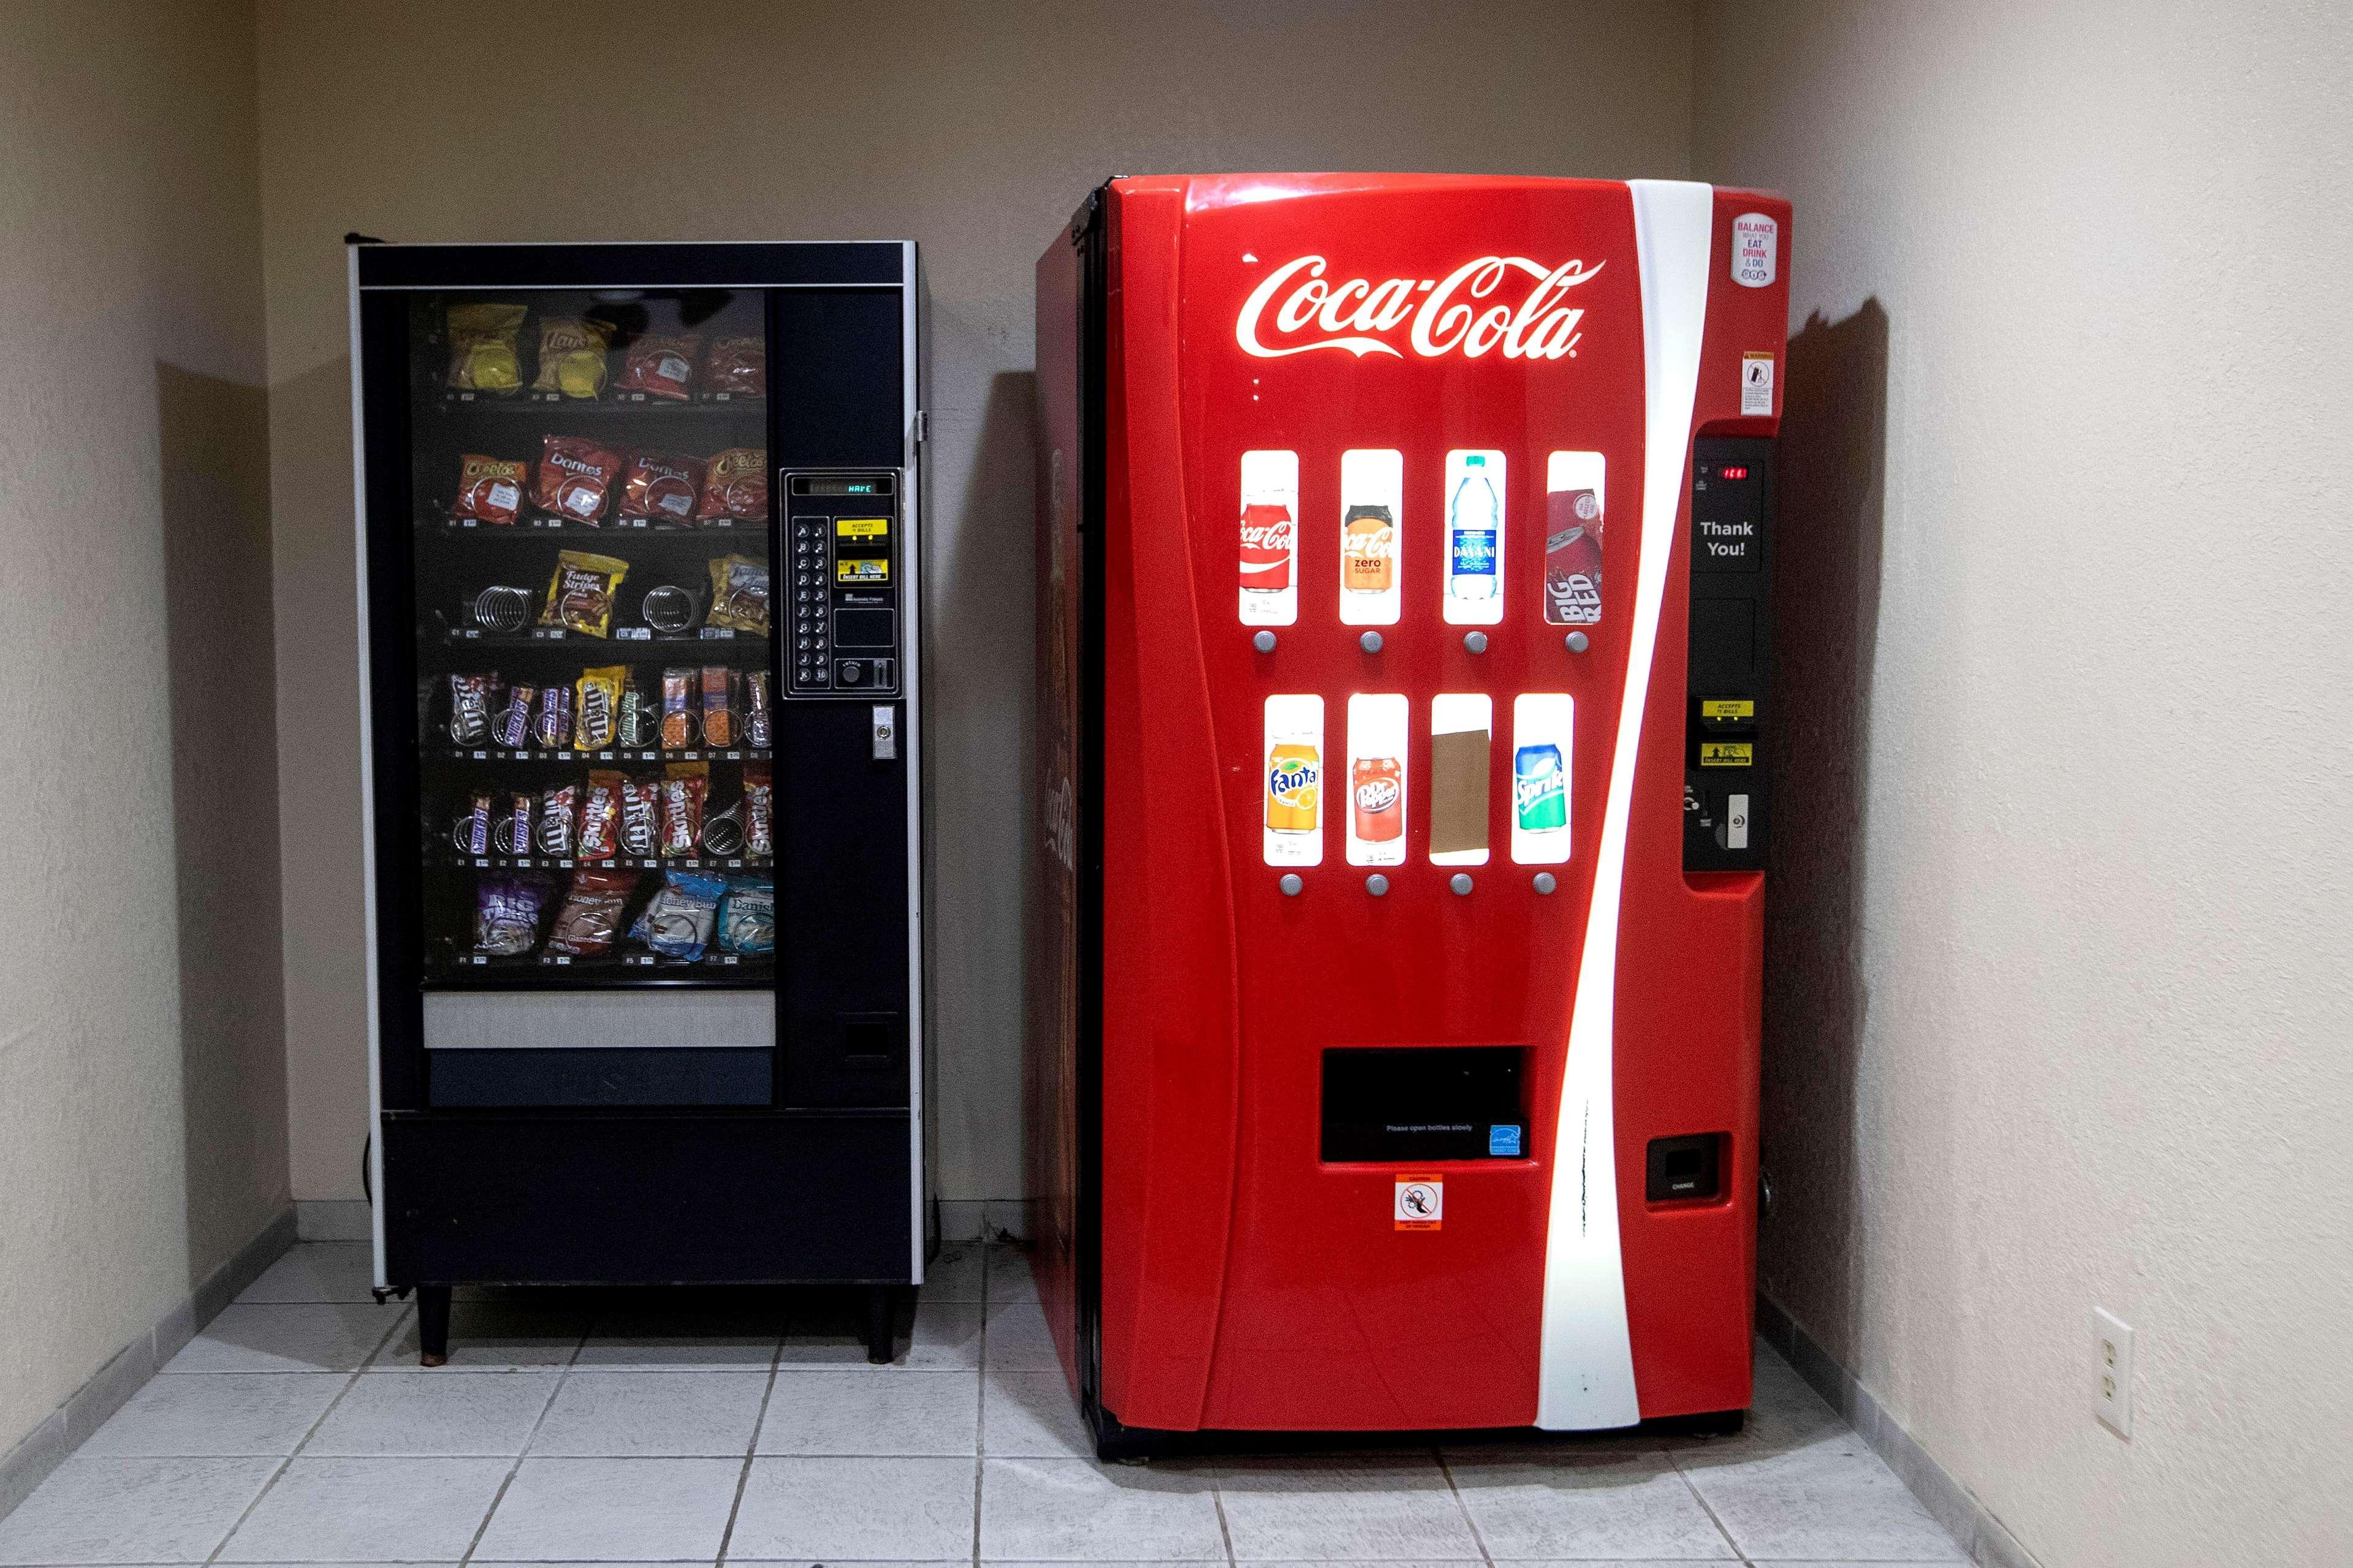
(1376, 779)
(1293, 770)
(1474, 537)
(1543, 730)
(1270, 539)
(1572, 557)
(1462, 731)
(1372, 536)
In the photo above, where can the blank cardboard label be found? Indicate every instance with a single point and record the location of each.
(1458, 791)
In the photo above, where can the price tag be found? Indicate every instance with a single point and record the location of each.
(718, 633)
(479, 756)
(566, 864)
(563, 958)
(478, 862)
(636, 634)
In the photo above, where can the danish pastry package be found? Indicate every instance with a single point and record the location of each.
(747, 919)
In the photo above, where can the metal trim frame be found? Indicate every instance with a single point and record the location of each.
(367, 773)
(911, 682)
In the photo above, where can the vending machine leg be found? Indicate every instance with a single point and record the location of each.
(432, 1324)
(880, 1303)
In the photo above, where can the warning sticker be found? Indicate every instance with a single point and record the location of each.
(1420, 1202)
(862, 570)
(1726, 754)
(1756, 382)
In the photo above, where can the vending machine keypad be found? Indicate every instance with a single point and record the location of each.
(845, 585)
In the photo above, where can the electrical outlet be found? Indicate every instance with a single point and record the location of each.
(2112, 1394)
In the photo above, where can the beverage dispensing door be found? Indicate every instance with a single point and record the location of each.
(846, 587)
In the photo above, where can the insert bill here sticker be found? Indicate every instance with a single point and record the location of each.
(1421, 1201)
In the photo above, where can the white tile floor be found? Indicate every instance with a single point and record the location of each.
(644, 1427)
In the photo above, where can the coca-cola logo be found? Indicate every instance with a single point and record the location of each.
(1468, 311)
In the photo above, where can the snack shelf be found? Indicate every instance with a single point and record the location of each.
(539, 405)
(623, 637)
(628, 863)
(619, 972)
(577, 758)
(537, 528)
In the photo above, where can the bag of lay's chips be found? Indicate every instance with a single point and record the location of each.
(483, 352)
(572, 356)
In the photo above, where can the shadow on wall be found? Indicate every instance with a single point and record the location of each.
(1827, 554)
(214, 437)
(979, 695)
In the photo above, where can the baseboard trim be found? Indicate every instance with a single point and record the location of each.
(333, 1219)
(984, 1219)
(104, 1392)
(1985, 1538)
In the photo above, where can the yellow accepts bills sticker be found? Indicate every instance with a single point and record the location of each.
(861, 527)
(1727, 708)
(1725, 753)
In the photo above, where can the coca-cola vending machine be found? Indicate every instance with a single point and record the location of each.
(1403, 615)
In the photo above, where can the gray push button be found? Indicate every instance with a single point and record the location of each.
(1577, 642)
(1370, 642)
(1376, 885)
(1460, 881)
(1545, 883)
(1264, 642)
(1475, 641)
(1291, 884)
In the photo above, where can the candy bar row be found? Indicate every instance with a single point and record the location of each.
(714, 706)
(618, 814)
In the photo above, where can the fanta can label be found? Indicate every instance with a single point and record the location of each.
(1294, 778)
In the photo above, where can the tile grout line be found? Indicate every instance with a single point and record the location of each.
(759, 1424)
(563, 1375)
(349, 1382)
(1477, 1538)
(980, 1418)
(1674, 1458)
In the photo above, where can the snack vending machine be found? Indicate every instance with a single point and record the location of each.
(1404, 547)
(639, 546)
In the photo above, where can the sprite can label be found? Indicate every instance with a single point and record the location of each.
(1539, 789)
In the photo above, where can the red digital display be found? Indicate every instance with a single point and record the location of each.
(1734, 473)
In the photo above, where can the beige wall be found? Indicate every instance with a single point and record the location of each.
(2060, 1010)
(143, 1132)
(974, 128)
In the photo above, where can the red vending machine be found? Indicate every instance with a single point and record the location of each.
(1403, 616)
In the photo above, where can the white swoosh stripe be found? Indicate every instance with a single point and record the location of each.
(1585, 1364)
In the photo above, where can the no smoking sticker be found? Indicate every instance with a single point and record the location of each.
(1420, 1202)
